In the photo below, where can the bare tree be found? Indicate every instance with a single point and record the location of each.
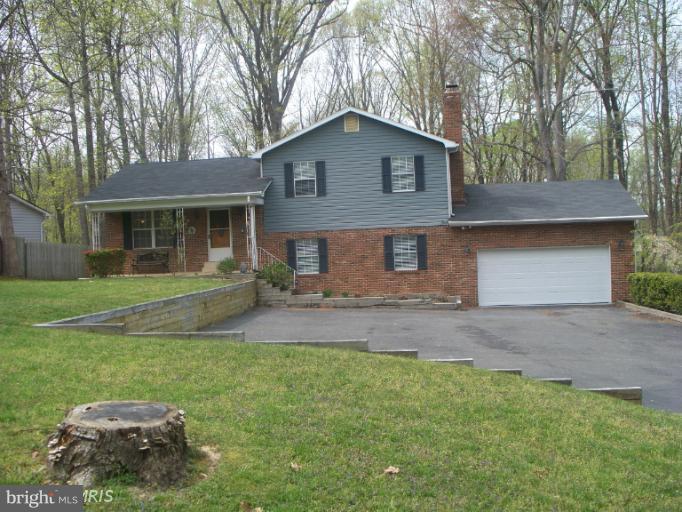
(268, 43)
(596, 64)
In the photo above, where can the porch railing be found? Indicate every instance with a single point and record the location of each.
(267, 258)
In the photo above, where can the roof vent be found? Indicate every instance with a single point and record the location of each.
(351, 123)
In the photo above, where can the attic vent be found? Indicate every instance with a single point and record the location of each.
(351, 123)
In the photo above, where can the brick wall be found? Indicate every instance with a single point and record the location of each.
(356, 259)
(452, 129)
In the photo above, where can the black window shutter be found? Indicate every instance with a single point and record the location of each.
(419, 181)
(291, 253)
(386, 174)
(323, 255)
(388, 253)
(321, 175)
(127, 230)
(288, 179)
(421, 252)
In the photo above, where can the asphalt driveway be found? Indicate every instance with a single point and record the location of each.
(598, 346)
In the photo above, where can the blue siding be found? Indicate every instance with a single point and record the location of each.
(26, 221)
(354, 188)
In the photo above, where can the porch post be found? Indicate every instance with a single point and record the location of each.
(252, 237)
(180, 237)
(95, 222)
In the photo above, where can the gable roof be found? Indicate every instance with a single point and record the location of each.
(447, 143)
(29, 205)
(193, 178)
(556, 202)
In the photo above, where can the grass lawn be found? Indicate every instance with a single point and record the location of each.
(464, 439)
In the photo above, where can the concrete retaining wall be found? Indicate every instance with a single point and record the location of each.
(189, 312)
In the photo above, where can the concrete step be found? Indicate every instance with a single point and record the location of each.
(630, 394)
(360, 345)
(566, 381)
(464, 362)
(210, 267)
(406, 352)
(511, 371)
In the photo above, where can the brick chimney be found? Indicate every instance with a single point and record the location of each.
(452, 125)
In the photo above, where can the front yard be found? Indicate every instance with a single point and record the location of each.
(464, 439)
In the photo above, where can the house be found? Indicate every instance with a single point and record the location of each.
(27, 219)
(360, 204)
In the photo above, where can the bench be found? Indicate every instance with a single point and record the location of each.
(153, 261)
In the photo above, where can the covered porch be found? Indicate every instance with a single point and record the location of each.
(175, 235)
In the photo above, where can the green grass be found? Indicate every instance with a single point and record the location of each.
(463, 439)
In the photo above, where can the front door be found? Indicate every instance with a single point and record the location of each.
(219, 235)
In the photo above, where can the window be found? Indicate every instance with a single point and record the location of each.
(305, 182)
(402, 174)
(405, 252)
(152, 229)
(351, 123)
(307, 256)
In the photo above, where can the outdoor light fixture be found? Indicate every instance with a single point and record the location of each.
(467, 250)
(621, 245)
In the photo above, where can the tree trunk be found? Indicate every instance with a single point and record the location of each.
(78, 166)
(115, 76)
(99, 440)
(666, 143)
(10, 258)
(86, 86)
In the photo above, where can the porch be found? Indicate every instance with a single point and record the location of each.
(183, 239)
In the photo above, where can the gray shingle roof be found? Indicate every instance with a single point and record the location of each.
(191, 178)
(551, 202)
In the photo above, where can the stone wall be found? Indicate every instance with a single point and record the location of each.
(189, 312)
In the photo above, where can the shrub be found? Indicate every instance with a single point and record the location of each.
(656, 253)
(227, 266)
(345, 295)
(277, 274)
(657, 290)
(327, 293)
(105, 262)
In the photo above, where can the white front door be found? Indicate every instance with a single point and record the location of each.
(219, 235)
(557, 275)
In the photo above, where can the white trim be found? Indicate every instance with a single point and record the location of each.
(29, 205)
(416, 254)
(563, 220)
(313, 179)
(252, 242)
(315, 244)
(449, 144)
(414, 174)
(208, 231)
(447, 168)
(157, 198)
(197, 202)
(153, 229)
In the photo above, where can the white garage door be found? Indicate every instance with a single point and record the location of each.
(558, 275)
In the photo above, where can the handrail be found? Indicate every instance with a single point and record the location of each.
(267, 258)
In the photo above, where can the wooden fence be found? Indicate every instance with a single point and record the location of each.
(46, 260)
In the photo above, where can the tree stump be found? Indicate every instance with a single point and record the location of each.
(99, 440)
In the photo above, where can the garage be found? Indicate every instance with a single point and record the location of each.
(544, 276)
